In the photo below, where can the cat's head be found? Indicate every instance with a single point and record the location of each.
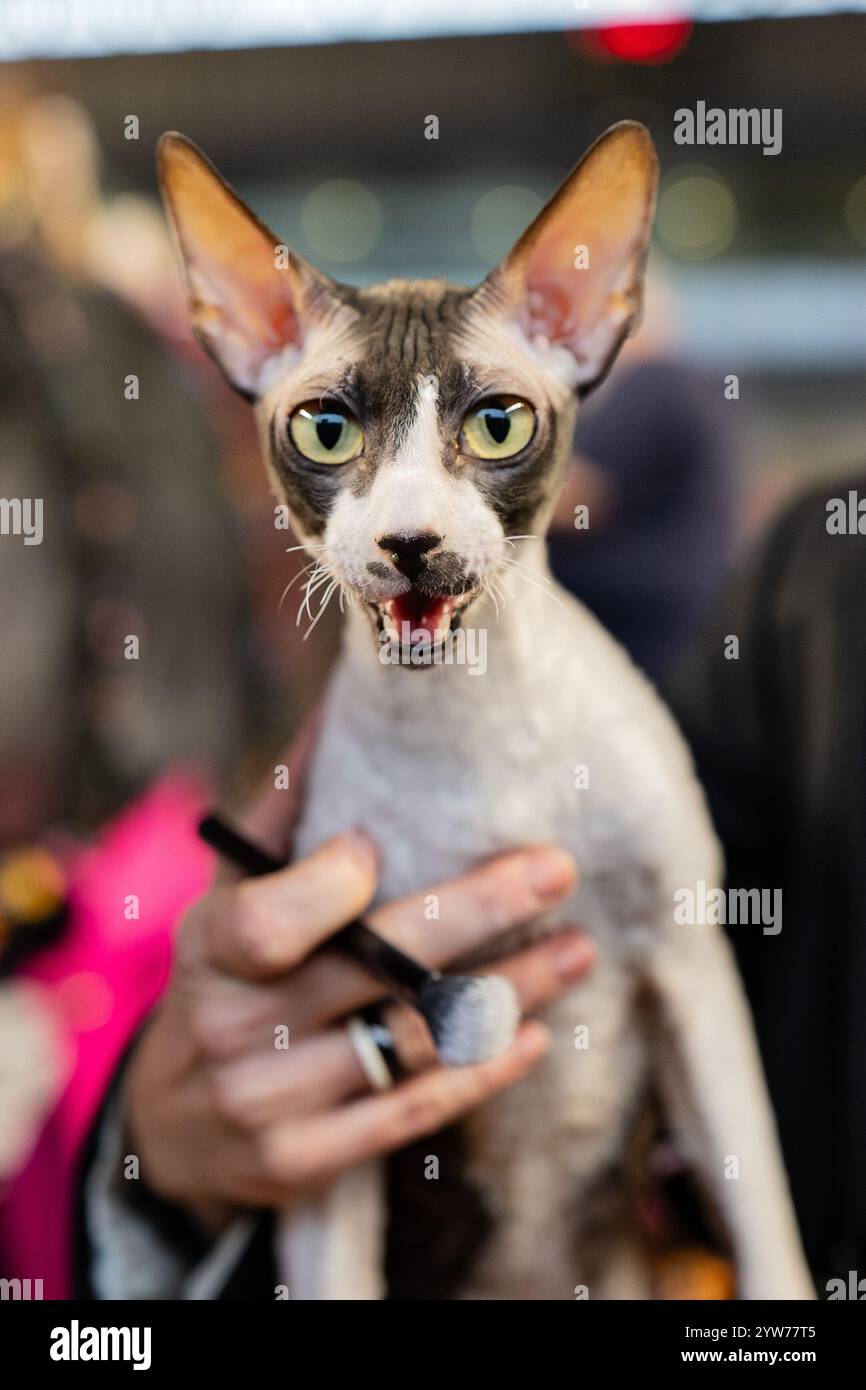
(417, 429)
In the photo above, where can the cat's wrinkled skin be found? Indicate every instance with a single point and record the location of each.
(444, 769)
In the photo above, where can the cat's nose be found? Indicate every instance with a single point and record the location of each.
(408, 553)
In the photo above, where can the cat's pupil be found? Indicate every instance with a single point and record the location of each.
(329, 428)
(498, 424)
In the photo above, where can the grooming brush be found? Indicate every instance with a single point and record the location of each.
(471, 1017)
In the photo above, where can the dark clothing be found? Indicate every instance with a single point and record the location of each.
(779, 737)
(661, 436)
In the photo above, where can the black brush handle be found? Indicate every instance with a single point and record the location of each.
(403, 975)
(235, 847)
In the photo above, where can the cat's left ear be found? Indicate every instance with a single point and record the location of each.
(575, 277)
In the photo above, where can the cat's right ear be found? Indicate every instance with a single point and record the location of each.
(250, 297)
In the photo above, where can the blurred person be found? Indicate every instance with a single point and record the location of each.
(655, 466)
(134, 545)
(136, 539)
(117, 242)
(96, 420)
(779, 735)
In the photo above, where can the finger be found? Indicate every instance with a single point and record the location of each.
(265, 1087)
(477, 907)
(328, 986)
(258, 1087)
(546, 970)
(294, 1154)
(473, 911)
(261, 927)
(412, 1039)
(240, 1019)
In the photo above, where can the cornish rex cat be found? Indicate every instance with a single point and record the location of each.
(419, 432)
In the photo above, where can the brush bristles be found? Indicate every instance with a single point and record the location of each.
(472, 1017)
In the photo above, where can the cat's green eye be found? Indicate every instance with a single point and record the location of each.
(497, 428)
(326, 434)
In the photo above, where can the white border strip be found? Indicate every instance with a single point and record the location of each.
(89, 28)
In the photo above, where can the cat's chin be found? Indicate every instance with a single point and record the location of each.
(414, 620)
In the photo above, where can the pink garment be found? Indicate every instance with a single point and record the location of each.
(103, 977)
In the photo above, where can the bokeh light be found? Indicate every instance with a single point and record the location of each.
(499, 217)
(638, 43)
(855, 210)
(697, 214)
(86, 999)
(341, 220)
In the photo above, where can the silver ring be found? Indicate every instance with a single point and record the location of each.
(368, 1040)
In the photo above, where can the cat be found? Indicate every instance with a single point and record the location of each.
(418, 433)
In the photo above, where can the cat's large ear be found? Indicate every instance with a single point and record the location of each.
(249, 296)
(575, 277)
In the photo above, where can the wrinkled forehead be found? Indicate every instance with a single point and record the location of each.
(383, 342)
(410, 333)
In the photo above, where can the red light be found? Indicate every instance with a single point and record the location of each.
(639, 43)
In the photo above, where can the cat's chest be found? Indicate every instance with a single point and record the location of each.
(431, 817)
(438, 801)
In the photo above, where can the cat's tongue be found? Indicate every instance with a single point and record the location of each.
(424, 614)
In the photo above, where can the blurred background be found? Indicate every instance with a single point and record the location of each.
(158, 521)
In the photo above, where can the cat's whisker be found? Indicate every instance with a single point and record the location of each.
(519, 564)
(319, 577)
(292, 582)
(536, 581)
(315, 582)
(323, 603)
(290, 549)
(318, 572)
(494, 588)
(508, 562)
(502, 584)
(490, 583)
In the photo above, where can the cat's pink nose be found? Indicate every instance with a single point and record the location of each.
(409, 553)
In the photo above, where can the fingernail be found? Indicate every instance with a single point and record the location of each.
(571, 955)
(358, 842)
(552, 872)
(532, 1041)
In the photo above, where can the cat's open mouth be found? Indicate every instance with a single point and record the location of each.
(415, 619)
